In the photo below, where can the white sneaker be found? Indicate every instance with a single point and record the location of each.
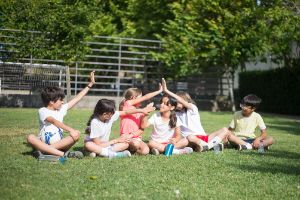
(121, 154)
(154, 151)
(186, 150)
(92, 154)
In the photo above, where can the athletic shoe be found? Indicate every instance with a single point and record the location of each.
(186, 150)
(37, 154)
(221, 146)
(154, 151)
(267, 148)
(121, 154)
(92, 154)
(205, 148)
(74, 154)
(242, 147)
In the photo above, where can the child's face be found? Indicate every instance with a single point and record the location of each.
(105, 117)
(57, 104)
(179, 106)
(246, 110)
(164, 107)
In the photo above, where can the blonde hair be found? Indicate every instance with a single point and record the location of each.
(129, 94)
(186, 97)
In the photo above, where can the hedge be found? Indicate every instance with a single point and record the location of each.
(278, 88)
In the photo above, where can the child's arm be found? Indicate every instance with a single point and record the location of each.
(145, 123)
(106, 144)
(73, 133)
(178, 98)
(177, 137)
(145, 110)
(145, 97)
(81, 94)
(262, 136)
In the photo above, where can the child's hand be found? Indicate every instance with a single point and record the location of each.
(123, 139)
(75, 134)
(164, 85)
(150, 104)
(147, 109)
(160, 89)
(92, 78)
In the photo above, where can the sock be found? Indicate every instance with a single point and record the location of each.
(105, 151)
(216, 140)
(176, 151)
(249, 146)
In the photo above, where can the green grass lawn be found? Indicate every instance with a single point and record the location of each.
(231, 175)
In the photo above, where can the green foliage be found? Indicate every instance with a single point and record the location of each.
(231, 175)
(279, 89)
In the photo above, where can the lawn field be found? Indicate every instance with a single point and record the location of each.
(229, 175)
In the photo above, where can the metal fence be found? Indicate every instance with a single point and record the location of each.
(119, 63)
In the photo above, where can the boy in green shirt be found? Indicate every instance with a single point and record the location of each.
(244, 123)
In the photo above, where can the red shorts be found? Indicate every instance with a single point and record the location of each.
(203, 137)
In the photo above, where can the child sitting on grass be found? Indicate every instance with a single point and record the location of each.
(50, 139)
(166, 129)
(244, 123)
(99, 128)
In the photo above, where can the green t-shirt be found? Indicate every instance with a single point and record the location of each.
(244, 127)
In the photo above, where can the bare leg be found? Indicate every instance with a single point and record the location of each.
(139, 147)
(120, 146)
(64, 144)
(92, 147)
(233, 138)
(267, 142)
(221, 133)
(160, 147)
(181, 143)
(43, 147)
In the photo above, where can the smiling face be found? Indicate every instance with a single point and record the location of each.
(165, 105)
(105, 117)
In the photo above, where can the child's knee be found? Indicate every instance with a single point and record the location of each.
(75, 135)
(31, 138)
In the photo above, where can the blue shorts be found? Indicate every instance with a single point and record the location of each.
(249, 140)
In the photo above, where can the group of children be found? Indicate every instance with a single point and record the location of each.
(177, 122)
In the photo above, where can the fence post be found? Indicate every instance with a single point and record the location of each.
(76, 72)
(119, 68)
(68, 83)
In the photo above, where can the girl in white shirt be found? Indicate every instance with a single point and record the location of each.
(166, 129)
(191, 128)
(99, 128)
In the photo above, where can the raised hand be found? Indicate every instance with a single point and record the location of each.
(164, 85)
(148, 108)
(160, 89)
(92, 77)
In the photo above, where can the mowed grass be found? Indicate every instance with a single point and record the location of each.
(231, 175)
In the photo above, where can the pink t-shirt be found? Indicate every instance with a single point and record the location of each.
(131, 122)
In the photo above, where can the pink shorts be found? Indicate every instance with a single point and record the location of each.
(203, 137)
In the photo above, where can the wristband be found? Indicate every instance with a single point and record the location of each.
(89, 86)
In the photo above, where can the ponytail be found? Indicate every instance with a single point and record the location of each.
(173, 119)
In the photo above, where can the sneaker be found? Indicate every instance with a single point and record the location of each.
(242, 147)
(121, 154)
(74, 154)
(154, 151)
(37, 154)
(198, 148)
(92, 154)
(221, 146)
(205, 148)
(186, 150)
(267, 148)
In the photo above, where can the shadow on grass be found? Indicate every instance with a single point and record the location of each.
(292, 127)
(272, 168)
(275, 154)
(291, 167)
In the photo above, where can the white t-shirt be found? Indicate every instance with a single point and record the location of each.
(101, 129)
(190, 122)
(44, 113)
(161, 132)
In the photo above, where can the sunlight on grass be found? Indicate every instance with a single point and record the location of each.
(231, 175)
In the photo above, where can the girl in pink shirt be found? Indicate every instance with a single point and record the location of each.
(131, 123)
